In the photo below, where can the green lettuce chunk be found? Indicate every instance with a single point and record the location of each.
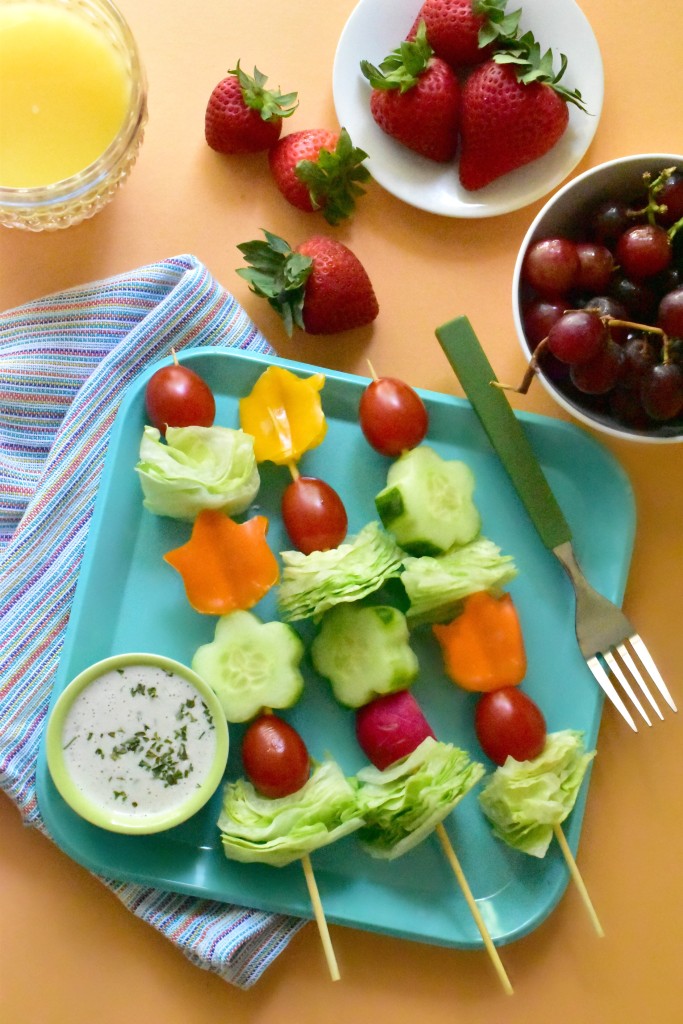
(436, 585)
(276, 832)
(197, 468)
(524, 800)
(404, 803)
(313, 583)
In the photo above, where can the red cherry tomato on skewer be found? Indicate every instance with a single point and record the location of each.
(176, 396)
(275, 757)
(508, 723)
(392, 416)
(313, 514)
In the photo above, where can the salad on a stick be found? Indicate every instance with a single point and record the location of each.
(427, 535)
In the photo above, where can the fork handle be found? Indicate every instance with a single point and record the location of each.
(505, 431)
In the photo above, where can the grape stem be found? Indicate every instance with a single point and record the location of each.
(533, 367)
(653, 207)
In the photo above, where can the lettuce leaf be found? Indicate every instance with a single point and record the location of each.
(524, 800)
(313, 583)
(197, 468)
(277, 832)
(436, 585)
(404, 803)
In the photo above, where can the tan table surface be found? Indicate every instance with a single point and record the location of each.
(71, 953)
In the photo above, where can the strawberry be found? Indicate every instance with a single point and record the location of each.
(319, 169)
(464, 32)
(513, 111)
(320, 286)
(242, 116)
(415, 98)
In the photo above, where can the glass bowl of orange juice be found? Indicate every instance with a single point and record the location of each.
(73, 98)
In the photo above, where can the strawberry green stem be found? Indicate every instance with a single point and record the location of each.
(267, 102)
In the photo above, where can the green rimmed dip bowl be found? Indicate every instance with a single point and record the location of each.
(137, 743)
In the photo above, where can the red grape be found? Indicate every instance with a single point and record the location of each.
(625, 406)
(639, 356)
(637, 296)
(671, 196)
(643, 251)
(670, 314)
(550, 266)
(609, 220)
(596, 264)
(577, 337)
(601, 373)
(539, 316)
(661, 391)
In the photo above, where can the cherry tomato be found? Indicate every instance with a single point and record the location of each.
(508, 723)
(313, 514)
(178, 397)
(392, 416)
(274, 756)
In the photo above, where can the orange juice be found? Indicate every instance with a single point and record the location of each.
(64, 94)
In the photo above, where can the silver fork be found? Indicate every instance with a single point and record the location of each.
(606, 636)
(607, 640)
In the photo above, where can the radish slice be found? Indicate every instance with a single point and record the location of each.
(391, 727)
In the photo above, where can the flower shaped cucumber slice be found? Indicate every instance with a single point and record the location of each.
(251, 665)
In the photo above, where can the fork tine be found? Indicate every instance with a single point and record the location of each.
(608, 686)
(615, 669)
(646, 658)
(635, 672)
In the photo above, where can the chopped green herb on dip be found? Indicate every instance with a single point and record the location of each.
(139, 739)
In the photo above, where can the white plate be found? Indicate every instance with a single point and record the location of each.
(376, 27)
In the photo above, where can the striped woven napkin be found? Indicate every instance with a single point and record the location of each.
(65, 363)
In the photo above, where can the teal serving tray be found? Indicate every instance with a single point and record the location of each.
(129, 599)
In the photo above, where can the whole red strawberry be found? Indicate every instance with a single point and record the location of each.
(320, 286)
(319, 169)
(242, 116)
(512, 113)
(463, 32)
(415, 99)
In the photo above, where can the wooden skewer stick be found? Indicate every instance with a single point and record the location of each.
(471, 902)
(320, 917)
(578, 880)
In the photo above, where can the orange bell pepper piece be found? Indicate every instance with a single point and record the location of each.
(483, 648)
(225, 566)
(283, 413)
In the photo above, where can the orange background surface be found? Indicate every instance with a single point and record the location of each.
(71, 953)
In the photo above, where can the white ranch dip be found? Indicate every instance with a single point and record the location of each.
(138, 740)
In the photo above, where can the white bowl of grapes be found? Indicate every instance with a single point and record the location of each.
(598, 297)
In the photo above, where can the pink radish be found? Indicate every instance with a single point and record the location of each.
(391, 727)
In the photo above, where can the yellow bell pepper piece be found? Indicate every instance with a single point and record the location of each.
(283, 413)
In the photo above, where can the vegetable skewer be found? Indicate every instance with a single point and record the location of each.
(494, 956)
(527, 800)
(409, 799)
(577, 879)
(262, 823)
(320, 918)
